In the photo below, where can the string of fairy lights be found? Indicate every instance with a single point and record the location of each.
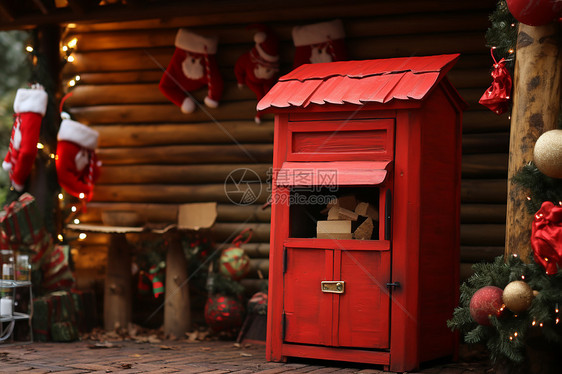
(66, 52)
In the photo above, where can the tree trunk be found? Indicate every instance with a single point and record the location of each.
(536, 104)
(177, 314)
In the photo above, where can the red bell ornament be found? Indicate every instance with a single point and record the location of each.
(535, 12)
(497, 96)
(546, 237)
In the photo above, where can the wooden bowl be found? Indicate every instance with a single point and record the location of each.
(121, 218)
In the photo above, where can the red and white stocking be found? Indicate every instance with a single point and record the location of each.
(77, 163)
(30, 106)
(193, 66)
(319, 42)
(258, 67)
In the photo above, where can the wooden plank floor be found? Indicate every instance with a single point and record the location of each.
(208, 357)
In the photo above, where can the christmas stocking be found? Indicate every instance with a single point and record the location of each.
(193, 66)
(319, 42)
(77, 164)
(258, 67)
(30, 106)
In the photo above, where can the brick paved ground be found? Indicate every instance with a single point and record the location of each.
(208, 357)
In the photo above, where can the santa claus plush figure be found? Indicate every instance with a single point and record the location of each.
(319, 42)
(30, 106)
(76, 161)
(193, 66)
(258, 67)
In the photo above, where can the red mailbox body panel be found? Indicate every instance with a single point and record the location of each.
(390, 131)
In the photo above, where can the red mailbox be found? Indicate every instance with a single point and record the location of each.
(380, 141)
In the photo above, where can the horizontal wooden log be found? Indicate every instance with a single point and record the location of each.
(139, 93)
(465, 272)
(188, 154)
(284, 11)
(168, 213)
(481, 120)
(139, 76)
(253, 250)
(164, 113)
(483, 235)
(161, 193)
(141, 135)
(178, 174)
(483, 191)
(148, 58)
(481, 253)
(259, 265)
(253, 285)
(483, 213)
(233, 34)
(485, 143)
(224, 233)
(478, 77)
(489, 165)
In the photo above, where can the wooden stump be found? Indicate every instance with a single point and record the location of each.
(118, 290)
(536, 104)
(177, 314)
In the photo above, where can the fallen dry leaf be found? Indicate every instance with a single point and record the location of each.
(104, 345)
(166, 347)
(126, 366)
(246, 354)
(136, 355)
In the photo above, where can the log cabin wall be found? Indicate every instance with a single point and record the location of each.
(154, 157)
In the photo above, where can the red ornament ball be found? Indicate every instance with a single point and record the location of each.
(534, 12)
(223, 313)
(234, 263)
(486, 302)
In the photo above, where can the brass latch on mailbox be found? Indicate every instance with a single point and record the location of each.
(333, 286)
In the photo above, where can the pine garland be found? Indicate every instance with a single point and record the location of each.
(508, 334)
(541, 187)
(502, 34)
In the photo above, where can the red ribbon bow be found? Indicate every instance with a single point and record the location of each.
(546, 237)
(497, 96)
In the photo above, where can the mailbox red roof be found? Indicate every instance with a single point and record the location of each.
(359, 82)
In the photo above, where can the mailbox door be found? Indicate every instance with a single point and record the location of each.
(350, 310)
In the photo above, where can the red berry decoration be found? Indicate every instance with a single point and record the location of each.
(534, 12)
(223, 313)
(486, 302)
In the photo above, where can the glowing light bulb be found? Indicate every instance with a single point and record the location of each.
(61, 196)
(533, 323)
(77, 78)
(73, 209)
(515, 333)
(82, 236)
(52, 155)
(70, 58)
(76, 221)
(81, 196)
(511, 338)
(71, 83)
(29, 48)
(71, 25)
(40, 146)
(541, 324)
(522, 277)
(72, 43)
(60, 237)
(511, 51)
(64, 48)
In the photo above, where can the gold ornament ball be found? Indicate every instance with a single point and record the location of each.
(517, 296)
(548, 153)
